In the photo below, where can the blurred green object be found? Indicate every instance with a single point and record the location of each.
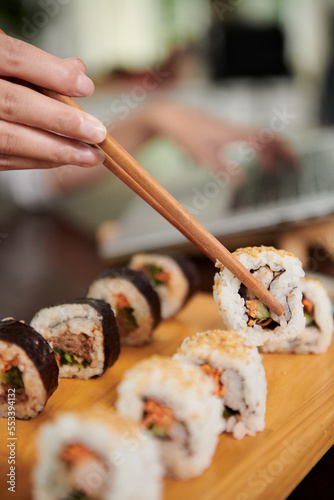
(12, 12)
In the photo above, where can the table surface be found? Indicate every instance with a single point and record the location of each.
(299, 419)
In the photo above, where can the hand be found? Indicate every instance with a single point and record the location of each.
(204, 137)
(30, 122)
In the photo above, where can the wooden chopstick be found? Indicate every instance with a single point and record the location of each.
(131, 183)
(124, 166)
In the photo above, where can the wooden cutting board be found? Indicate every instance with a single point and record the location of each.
(299, 420)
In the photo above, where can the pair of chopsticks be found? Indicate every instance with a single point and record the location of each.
(126, 168)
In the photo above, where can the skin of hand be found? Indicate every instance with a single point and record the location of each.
(204, 136)
(201, 135)
(36, 131)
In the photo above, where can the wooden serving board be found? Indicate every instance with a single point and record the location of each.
(299, 420)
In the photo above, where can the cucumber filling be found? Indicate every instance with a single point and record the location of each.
(308, 308)
(309, 319)
(158, 431)
(66, 358)
(156, 274)
(12, 378)
(228, 412)
(127, 313)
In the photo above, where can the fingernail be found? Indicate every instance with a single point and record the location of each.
(93, 130)
(90, 156)
(85, 86)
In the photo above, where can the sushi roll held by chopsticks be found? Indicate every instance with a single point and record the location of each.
(318, 332)
(96, 456)
(280, 272)
(83, 334)
(28, 370)
(238, 374)
(175, 402)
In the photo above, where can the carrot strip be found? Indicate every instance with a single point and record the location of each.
(77, 452)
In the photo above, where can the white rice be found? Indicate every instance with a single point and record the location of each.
(285, 288)
(173, 294)
(243, 376)
(132, 456)
(315, 338)
(108, 288)
(190, 394)
(52, 322)
(35, 393)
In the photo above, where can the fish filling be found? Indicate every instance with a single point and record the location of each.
(216, 375)
(160, 420)
(308, 308)
(80, 461)
(256, 310)
(125, 316)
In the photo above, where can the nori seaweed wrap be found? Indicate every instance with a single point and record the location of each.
(28, 370)
(83, 334)
(133, 300)
(174, 277)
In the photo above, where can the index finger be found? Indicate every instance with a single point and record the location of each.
(21, 60)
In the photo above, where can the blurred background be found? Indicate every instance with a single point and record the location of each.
(230, 45)
(241, 60)
(237, 59)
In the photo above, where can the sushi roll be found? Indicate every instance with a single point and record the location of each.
(83, 334)
(175, 402)
(97, 456)
(28, 370)
(317, 336)
(134, 301)
(175, 279)
(238, 374)
(280, 272)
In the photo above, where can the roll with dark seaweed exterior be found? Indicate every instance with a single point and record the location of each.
(83, 334)
(318, 333)
(28, 370)
(132, 298)
(175, 279)
(280, 273)
(175, 401)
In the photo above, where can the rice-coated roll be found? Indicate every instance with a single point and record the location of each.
(238, 374)
(280, 272)
(175, 278)
(317, 336)
(96, 456)
(134, 301)
(83, 334)
(175, 402)
(28, 370)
